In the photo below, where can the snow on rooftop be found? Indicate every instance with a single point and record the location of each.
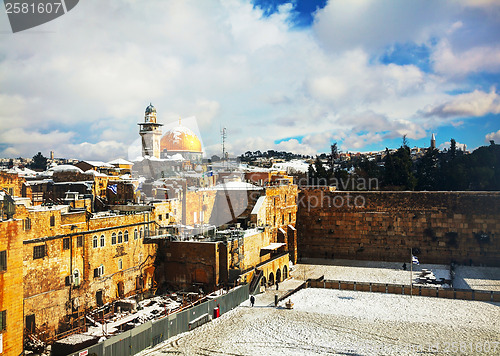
(95, 173)
(65, 168)
(177, 157)
(99, 164)
(120, 161)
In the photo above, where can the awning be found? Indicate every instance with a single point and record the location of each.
(273, 246)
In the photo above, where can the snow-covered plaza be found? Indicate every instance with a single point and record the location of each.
(335, 322)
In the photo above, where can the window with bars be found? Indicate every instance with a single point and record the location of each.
(39, 251)
(120, 237)
(125, 236)
(66, 243)
(113, 238)
(102, 240)
(3, 260)
(94, 241)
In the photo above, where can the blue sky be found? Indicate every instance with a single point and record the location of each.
(283, 75)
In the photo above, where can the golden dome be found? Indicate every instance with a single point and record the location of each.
(180, 138)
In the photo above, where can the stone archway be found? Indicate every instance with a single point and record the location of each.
(278, 275)
(271, 278)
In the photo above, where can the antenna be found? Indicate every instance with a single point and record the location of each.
(223, 135)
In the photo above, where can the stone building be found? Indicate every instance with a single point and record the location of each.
(11, 279)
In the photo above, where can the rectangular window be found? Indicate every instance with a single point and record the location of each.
(3, 320)
(38, 251)
(159, 217)
(66, 242)
(52, 220)
(79, 241)
(289, 217)
(3, 260)
(27, 224)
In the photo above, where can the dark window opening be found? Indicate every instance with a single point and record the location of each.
(38, 251)
(3, 320)
(99, 298)
(30, 323)
(3, 260)
(52, 220)
(66, 243)
(79, 241)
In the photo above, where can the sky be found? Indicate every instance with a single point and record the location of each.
(284, 75)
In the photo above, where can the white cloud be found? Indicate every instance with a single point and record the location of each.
(476, 103)
(476, 59)
(223, 61)
(495, 136)
(446, 145)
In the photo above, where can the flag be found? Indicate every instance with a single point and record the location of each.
(414, 260)
(113, 188)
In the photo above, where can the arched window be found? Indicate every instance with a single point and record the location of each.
(140, 233)
(125, 236)
(94, 241)
(120, 237)
(113, 238)
(146, 231)
(102, 240)
(136, 235)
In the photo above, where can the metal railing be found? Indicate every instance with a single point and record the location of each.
(152, 333)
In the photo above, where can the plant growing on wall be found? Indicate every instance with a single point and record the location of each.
(482, 237)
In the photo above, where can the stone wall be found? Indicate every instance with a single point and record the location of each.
(11, 297)
(192, 263)
(444, 226)
(70, 251)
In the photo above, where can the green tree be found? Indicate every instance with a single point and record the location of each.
(39, 162)
(428, 170)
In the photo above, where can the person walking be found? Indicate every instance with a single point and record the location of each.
(252, 300)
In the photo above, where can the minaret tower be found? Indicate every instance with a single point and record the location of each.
(150, 132)
(433, 141)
